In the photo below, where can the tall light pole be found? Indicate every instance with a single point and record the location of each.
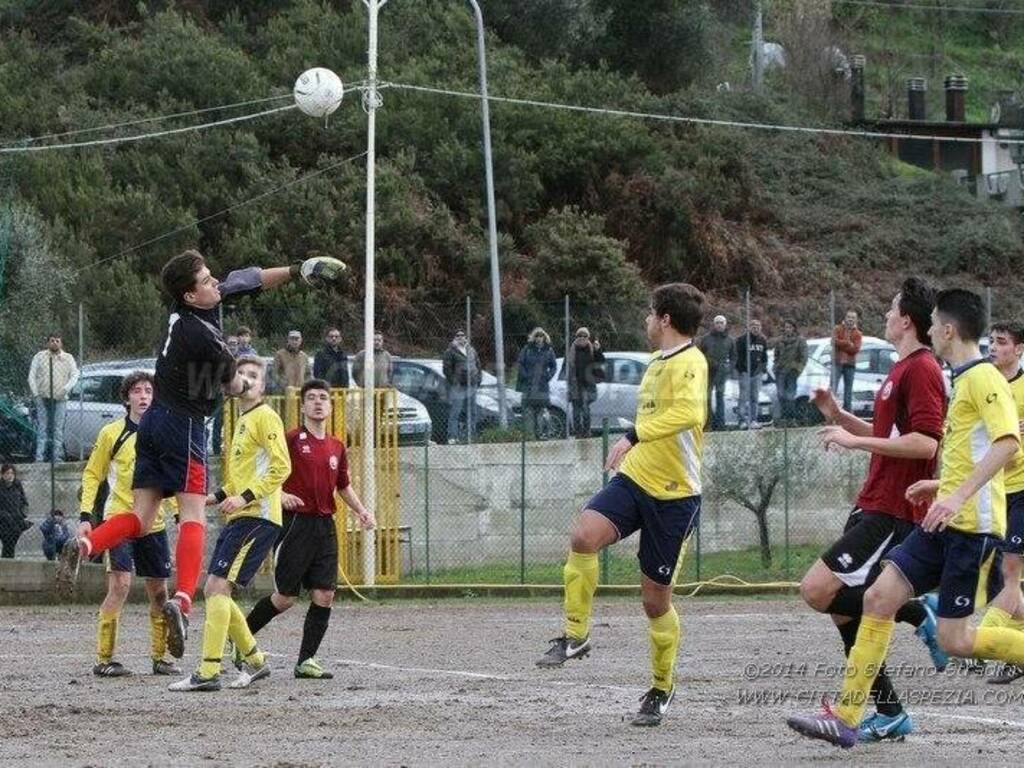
(371, 102)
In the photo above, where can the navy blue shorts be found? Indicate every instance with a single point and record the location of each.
(951, 560)
(148, 556)
(170, 452)
(241, 548)
(664, 525)
(1014, 541)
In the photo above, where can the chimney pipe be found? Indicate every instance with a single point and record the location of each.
(917, 87)
(857, 89)
(956, 96)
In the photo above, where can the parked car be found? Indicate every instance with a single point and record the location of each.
(423, 379)
(95, 401)
(617, 394)
(17, 430)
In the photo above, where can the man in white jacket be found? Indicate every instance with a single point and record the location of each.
(51, 377)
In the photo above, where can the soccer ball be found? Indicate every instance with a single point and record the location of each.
(318, 92)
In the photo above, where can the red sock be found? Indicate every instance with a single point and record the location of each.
(189, 559)
(113, 531)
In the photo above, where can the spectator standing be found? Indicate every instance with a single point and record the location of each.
(720, 350)
(51, 377)
(55, 533)
(537, 366)
(790, 360)
(383, 364)
(331, 362)
(245, 347)
(846, 341)
(584, 371)
(291, 364)
(13, 510)
(461, 368)
(750, 380)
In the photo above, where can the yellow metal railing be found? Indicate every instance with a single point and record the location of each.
(346, 425)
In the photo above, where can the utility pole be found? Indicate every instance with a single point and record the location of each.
(757, 49)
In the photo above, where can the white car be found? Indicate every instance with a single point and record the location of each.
(95, 401)
(617, 394)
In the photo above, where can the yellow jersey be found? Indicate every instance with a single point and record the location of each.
(669, 434)
(259, 464)
(1015, 469)
(113, 460)
(981, 412)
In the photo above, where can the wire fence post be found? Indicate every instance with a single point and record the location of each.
(831, 332)
(565, 367)
(522, 506)
(81, 363)
(471, 405)
(746, 390)
(426, 502)
(604, 482)
(51, 431)
(785, 491)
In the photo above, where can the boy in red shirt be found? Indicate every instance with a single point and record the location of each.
(307, 551)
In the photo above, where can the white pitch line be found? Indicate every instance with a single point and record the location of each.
(481, 675)
(973, 719)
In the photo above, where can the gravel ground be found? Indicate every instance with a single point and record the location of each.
(454, 682)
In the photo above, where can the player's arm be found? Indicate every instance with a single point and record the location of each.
(826, 402)
(95, 471)
(913, 445)
(343, 486)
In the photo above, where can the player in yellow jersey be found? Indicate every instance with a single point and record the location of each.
(112, 462)
(656, 491)
(959, 535)
(251, 505)
(1006, 345)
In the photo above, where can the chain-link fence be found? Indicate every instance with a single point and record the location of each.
(479, 502)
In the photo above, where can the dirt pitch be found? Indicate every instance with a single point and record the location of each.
(454, 682)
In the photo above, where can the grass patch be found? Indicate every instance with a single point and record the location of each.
(744, 564)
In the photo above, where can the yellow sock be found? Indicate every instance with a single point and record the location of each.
(240, 635)
(580, 575)
(996, 617)
(1000, 643)
(866, 656)
(157, 636)
(665, 635)
(106, 635)
(215, 634)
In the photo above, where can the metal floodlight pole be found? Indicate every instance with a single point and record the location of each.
(492, 224)
(371, 101)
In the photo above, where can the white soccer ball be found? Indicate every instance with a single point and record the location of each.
(318, 92)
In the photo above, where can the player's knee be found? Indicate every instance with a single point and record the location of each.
(282, 602)
(584, 538)
(119, 587)
(816, 594)
(158, 595)
(323, 597)
(955, 640)
(878, 603)
(216, 586)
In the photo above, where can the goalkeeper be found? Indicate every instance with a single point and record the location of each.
(193, 366)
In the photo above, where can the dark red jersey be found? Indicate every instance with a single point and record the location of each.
(912, 399)
(319, 467)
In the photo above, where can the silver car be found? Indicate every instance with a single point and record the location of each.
(617, 394)
(95, 401)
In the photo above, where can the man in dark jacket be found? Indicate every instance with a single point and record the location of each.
(461, 368)
(537, 366)
(584, 371)
(55, 533)
(750, 381)
(790, 360)
(13, 509)
(331, 362)
(720, 350)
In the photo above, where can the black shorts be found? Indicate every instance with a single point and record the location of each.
(664, 524)
(170, 452)
(148, 556)
(1014, 541)
(241, 548)
(856, 557)
(955, 562)
(307, 554)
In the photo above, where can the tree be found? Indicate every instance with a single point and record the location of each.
(748, 468)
